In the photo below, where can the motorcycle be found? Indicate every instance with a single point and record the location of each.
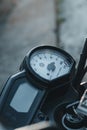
(48, 90)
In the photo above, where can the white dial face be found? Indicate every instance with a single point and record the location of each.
(49, 64)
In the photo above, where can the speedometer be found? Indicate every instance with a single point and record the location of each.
(48, 64)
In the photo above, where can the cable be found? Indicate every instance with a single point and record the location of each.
(80, 69)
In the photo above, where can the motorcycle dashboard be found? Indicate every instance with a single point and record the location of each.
(43, 68)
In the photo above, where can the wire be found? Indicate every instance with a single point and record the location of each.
(80, 69)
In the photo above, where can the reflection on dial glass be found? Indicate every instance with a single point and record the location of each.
(49, 64)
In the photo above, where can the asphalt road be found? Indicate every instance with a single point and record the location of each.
(31, 23)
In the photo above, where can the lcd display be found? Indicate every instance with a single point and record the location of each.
(24, 97)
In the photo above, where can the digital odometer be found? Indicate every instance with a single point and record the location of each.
(19, 101)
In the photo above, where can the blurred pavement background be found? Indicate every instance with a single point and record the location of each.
(72, 18)
(31, 23)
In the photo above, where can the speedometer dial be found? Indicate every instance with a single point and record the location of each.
(49, 64)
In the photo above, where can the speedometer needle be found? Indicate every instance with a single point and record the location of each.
(59, 71)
